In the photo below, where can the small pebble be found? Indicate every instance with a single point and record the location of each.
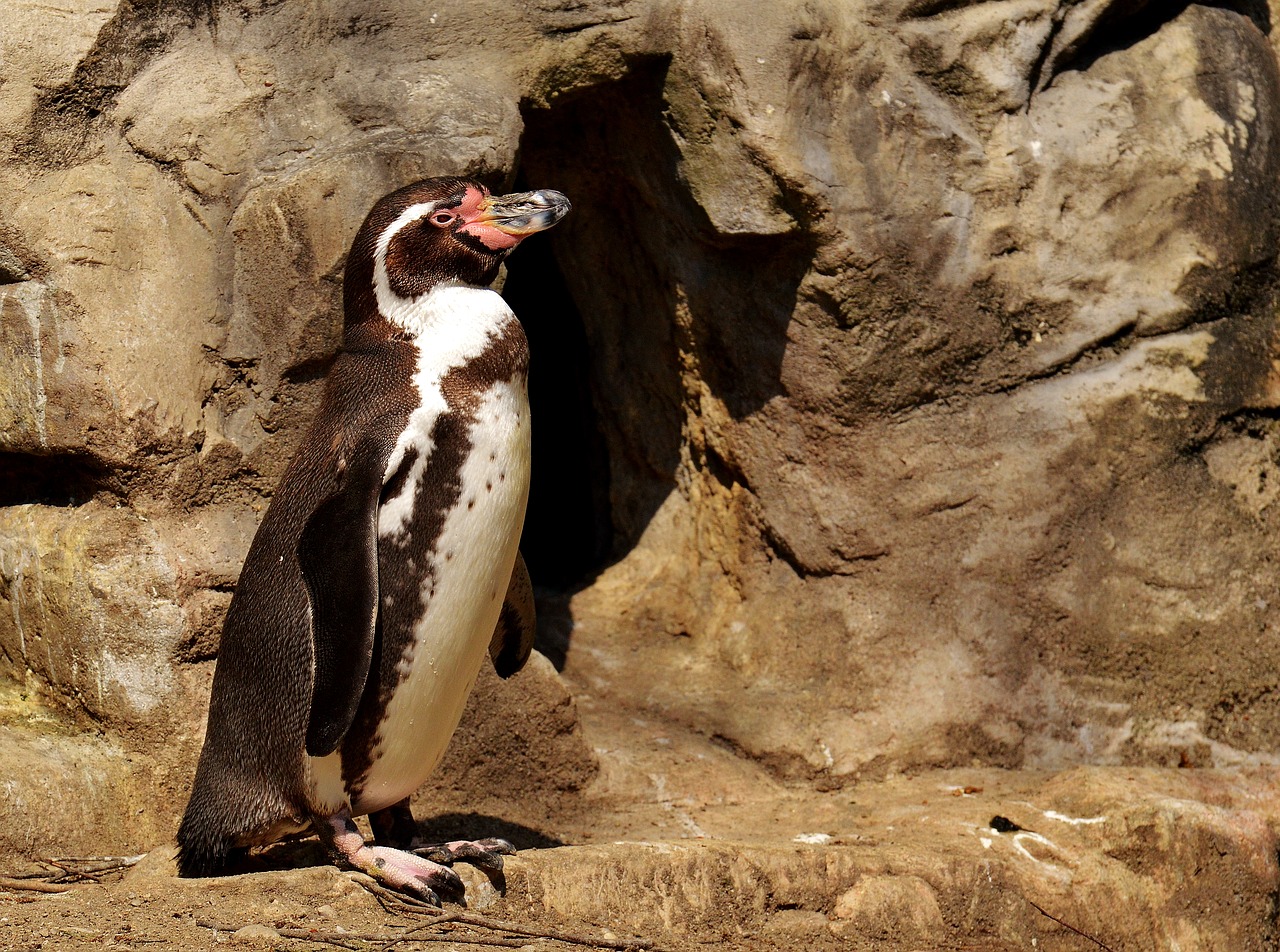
(815, 839)
(255, 933)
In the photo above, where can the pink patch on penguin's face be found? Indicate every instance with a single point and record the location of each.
(476, 223)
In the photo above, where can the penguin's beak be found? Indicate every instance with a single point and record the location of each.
(522, 213)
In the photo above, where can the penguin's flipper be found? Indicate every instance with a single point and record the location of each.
(513, 637)
(338, 554)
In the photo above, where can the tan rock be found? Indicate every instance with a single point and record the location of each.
(255, 934)
(201, 112)
(148, 323)
(69, 795)
(72, 619)
(904, 908)
(884, 473)
(42, 48)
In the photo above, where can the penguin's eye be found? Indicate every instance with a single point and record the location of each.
(443, 219)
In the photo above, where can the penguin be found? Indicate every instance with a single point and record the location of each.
(387, 563)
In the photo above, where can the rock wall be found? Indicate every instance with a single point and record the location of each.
(905, 377)
(940, 401)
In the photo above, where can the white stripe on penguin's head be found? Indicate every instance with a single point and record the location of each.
(390, 303)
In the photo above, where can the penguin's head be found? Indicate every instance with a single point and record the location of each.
(440, 230)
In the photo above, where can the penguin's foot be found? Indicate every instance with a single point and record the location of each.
(406, 872)
(485, 854)
(394, 826)
(409, 873)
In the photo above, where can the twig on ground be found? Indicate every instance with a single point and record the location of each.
(1066, 925)
(77, 868)
(434, 924)
(109, 861)
(33, 874)
(454, 938)
(345, 940)
(66, 871)
(412, 906)
(31, 885)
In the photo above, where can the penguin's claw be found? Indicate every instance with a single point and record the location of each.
(486, 854)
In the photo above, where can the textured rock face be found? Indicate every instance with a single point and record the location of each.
(941, 419)
(908, 372)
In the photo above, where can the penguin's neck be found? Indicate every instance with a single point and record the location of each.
(452, 316)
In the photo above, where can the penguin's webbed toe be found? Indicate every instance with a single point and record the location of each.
(486, 854)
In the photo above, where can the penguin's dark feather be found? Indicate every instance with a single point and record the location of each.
(338, 555)
(517, 624)
(271, 661)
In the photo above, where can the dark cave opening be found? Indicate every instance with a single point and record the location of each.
(625, 301)
(597, 308)
(55, 479)
(568, 530)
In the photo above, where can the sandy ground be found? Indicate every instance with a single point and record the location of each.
(681, 844)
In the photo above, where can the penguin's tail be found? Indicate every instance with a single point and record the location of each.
(204, 845)
(201, 852)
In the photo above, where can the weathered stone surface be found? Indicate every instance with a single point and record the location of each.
(889, 907)
(932, 475)
(57, 625)
(67, 796)
(911, 384)
(687, 844)
(926, 870)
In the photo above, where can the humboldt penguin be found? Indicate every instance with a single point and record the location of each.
(386, 564)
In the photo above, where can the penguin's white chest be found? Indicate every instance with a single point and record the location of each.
(461, 594)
